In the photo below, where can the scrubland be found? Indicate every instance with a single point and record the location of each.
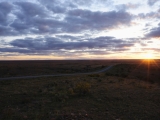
(121, 93)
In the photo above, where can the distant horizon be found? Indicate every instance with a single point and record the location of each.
(75, 59)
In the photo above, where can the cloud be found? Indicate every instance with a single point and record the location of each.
(152, 49)
(57, 6)
(13, 49)
(152, 2)
(79, 20)
(64, 5)
(31, 9)
(53, 43)
(50, 17)
(124, 7)
(5, 9)
(59, 46)
(154, 33)
(150, 16)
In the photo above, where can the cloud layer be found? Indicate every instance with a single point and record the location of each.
(21, 18)
(68, 27)
(54, 44)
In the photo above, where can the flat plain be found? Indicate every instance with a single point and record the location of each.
(129, 90)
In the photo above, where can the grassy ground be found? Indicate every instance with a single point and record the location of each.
(141, 71)
(87, 97)
(30, 68)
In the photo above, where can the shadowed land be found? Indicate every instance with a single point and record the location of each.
(115, 94)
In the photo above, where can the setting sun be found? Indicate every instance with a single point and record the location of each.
(149, 56)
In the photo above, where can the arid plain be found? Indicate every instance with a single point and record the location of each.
(129, 90)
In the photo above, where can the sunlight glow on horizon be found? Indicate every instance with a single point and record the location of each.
(149, 56)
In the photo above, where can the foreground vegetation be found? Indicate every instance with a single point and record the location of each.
(128, 91)
(89, 97)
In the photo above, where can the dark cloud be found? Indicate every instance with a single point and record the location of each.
(51, 17)
(79, 20)
(152, 2)
(13, 49)
(3, 30)
(7, 31)
(5, 9)
(57, 6)
(31, 9)
(18, 25)
(59, 45)
(154, 33)
(69, 37)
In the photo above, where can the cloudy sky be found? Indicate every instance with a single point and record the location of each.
(79, 29)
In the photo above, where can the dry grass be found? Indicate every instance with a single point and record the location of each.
(83, 97)
(54, 98)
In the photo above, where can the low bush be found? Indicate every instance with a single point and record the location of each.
(82, 88)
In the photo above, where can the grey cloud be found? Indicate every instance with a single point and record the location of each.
(132, 6)
(12, 49)
(31, 9)
(152, 49)
(17, 51)
(124, 45)
(150, 42)
(151, 15)
(37, 25)
(57, 9)
(19, 25)
(154, 33)
(120, 49)
(69, 37)
(53, 44)
(3, 30)
(25, 21)
(57, 6)
(5, 9)
(143, 44)
(124, 7)
(7, 31)
(152, 2)
(86, 3)
(37, 18)
(79, 19)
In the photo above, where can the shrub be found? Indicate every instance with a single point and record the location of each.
(82, 88)
(70, 91)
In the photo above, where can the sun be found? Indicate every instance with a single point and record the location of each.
(148, 56)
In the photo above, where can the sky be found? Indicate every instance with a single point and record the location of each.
(79, 29)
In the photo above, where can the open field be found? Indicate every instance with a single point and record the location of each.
(128, 91)
(27, 68)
